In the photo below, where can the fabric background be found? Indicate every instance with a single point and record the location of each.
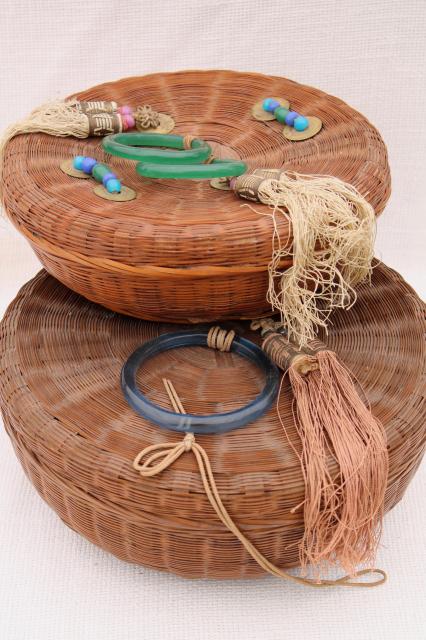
(53, 584)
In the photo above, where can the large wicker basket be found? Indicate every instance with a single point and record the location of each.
(182, 250)
(76, 437)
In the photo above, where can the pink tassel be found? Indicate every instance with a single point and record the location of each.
(343, 510)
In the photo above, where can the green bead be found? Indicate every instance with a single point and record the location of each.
(99, 171)
(280, 114)
(132, 147)
(215, 169)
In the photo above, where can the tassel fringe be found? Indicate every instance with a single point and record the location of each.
(342, 512)
(55, 118)
(343, 509)
(63, 119)
(333, 229)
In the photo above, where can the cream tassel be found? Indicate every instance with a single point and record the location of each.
(62, 119)
(333, 229)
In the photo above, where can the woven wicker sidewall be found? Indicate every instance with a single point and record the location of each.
(76, 437)
(133, 257)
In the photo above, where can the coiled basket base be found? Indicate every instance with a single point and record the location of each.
(76, 437)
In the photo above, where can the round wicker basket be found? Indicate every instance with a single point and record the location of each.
(182, 251)
(76, 437)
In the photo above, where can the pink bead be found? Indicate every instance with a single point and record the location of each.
(125, 110)
(129, 120)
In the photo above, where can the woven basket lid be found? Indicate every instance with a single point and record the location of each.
(76, 437)
(182, 250)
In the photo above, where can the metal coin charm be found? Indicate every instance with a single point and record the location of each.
(220, 183)
(166, 125)
(67, 167)
(125, 194)
(315, 126)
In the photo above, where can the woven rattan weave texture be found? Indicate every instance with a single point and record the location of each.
(76, 437)
(182, 250)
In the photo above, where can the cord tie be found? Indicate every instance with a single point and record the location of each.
(220, 339)
(161, 456)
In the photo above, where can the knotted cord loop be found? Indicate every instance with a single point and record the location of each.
(159, 457)
(187, 144)
(188, 140)
(146, 117)
(266, 324)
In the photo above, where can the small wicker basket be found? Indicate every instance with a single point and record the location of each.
(182, 251)
(76, 437)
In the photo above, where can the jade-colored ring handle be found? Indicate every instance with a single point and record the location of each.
(132, 146)
(216, 169)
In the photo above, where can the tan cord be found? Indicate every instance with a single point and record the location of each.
(159, 457)
(187, 141)
(265, 324)
(220, 339)
(174, 398)
(187, 144)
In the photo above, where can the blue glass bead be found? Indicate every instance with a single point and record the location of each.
(113, 186)
(108, 176)
(272, 105)
(88, 164)
(77, 163)
(291, 117)
(301, 123)
(265, 103)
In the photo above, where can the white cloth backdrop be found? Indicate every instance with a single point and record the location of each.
(53, 584)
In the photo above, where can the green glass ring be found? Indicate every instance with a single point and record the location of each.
(216, 169)
(131, 146)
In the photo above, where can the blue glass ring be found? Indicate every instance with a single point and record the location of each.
(191, 423)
